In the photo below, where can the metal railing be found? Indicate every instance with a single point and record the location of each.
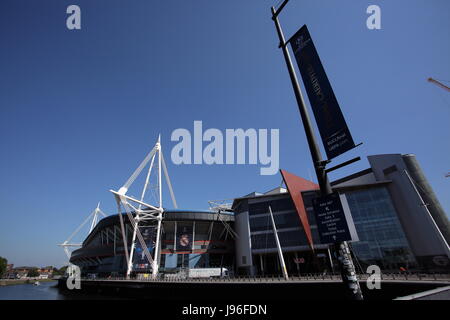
(279, 278)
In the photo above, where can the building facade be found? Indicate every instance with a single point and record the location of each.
(398, 219)
(397, 229)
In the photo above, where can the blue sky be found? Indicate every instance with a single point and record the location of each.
(80, 109)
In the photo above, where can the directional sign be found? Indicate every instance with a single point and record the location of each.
(333, 223)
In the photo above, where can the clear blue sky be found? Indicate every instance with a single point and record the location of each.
(80, 109)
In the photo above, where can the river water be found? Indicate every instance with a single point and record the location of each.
(44, 291)
(47, 291)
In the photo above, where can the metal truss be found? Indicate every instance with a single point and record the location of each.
(139, 211)
(94, 216)
(220, 206)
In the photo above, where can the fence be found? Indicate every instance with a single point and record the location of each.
(297, 278)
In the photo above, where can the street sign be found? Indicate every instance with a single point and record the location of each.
(333, 222)
(333, 129)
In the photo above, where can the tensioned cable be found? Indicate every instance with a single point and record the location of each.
(166, 173)
(79, 228)
(139, 169)
(146, 181)
(418, 185)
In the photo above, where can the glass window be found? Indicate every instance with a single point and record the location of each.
(285, 220)
(381, 237)
(276, 205)
(287, 239)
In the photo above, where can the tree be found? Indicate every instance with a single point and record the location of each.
(33, 273)
(60, 271)
(3, 266)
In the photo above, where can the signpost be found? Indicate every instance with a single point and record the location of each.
(344, 257)
(333, 224)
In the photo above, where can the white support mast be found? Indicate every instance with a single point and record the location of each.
(280, 253)
(94, 215)
(140, 211)
(158, 229)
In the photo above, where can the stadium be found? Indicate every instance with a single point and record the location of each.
(189, 239)
(392, 230)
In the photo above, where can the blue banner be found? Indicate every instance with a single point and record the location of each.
(333, 129)
(184, 239)
(140, 261)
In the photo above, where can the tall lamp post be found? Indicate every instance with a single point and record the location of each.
(344, 258)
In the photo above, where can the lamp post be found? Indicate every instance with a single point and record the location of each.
(342, 250)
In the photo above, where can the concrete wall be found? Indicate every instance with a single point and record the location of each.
(243, 242)
(365, 179)
(428, 195)
(422, 233)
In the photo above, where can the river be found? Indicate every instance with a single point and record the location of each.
(46, 291)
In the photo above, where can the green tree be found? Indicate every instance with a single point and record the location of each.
(3, 266)
(62, 270)
(33, 273)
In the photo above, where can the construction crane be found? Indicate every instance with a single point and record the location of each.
(443, 86)
(439, 84)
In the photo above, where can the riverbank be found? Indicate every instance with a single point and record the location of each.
(12, 282)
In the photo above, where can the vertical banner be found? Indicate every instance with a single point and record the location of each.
(184, 239)
(333, 129)
(140, 261)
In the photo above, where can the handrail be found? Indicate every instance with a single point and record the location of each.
(277, 278)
